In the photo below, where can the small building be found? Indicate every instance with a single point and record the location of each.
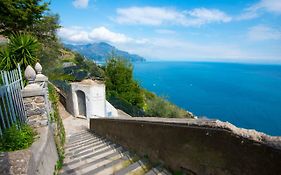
(87, 99)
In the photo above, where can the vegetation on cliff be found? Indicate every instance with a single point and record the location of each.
(125, 93)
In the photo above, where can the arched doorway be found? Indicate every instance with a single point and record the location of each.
(81, 103)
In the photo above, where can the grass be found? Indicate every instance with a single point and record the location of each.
(15, 138)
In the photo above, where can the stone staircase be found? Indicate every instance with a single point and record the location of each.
(86, 153)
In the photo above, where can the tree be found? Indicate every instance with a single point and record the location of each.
(120, 83)
(45, 29)
(32, 17)
(22, 49)
(20, 15)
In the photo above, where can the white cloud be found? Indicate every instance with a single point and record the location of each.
(272, 6)
(203, 15)
(80, 3)
(269, 5)
(261, 32)
(160, 15)
(79, 35)
(103, 34)
(168, 48)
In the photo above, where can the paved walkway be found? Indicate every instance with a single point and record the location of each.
(87, 153)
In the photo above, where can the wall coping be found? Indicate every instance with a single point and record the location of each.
(251, 134)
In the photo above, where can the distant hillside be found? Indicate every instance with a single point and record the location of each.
(101, 51)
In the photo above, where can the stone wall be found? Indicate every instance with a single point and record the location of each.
(195, 146)
(42, 156)
(36, 111)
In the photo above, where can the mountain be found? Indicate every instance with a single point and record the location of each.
(101, 51)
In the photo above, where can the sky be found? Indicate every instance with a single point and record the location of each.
(177, 30)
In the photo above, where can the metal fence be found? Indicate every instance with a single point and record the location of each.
(11, 102)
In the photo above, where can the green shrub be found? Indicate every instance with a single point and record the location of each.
(17, 139)
(120, 83)
(160, 107)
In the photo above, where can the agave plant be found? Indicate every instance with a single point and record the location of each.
(22, 49)
(7, 63)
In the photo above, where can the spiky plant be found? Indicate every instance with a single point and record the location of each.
(7, 63)
(22, 49)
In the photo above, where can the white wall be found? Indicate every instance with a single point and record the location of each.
(96, 104)
(111, 111)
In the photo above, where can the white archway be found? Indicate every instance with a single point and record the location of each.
(81, 99)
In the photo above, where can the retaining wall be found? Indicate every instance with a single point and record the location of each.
(195, 146)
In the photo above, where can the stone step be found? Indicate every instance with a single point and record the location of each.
(140, 170)
(79, 133)
(117, 167)
(94, 159)
(89, 154)
(80, 139)
(140, 164)
(153, 171)
(77, 163)
(82, 144)
(76, 135)
(83, 147)
(74, 138)
(69, 146)
(71, 140)
(159, 170)
(95, 148)
(93, 162)
(91, 150)
(107, 165)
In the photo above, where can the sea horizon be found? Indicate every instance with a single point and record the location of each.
(258, 62)
(246, 95)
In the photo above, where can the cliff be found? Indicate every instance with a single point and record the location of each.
(101, 51)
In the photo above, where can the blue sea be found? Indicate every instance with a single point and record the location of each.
(247, 95)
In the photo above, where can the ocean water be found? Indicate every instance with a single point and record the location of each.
(247, 95)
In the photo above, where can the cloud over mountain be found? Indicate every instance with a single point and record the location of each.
(80, 35)
(162, 15)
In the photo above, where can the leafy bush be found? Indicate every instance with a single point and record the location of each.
(159, 107)
(16, 139)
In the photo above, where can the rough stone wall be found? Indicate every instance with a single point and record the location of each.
(36, 111)
(14, 162)
(195, 146)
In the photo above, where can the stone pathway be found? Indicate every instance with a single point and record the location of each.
(87, 153)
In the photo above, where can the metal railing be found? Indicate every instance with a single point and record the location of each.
(11, 102)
